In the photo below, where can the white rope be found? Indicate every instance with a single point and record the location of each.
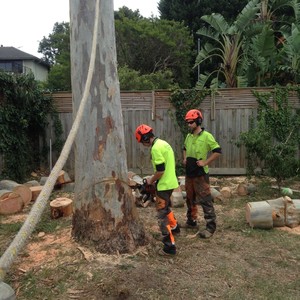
(37, 209)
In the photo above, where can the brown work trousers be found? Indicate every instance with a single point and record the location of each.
(198, 193)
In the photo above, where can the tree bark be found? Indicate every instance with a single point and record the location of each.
(105, 212)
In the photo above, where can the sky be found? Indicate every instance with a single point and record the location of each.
(24, 23)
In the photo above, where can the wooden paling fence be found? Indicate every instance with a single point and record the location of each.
(226, 115)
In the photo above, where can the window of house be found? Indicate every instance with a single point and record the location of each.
(12, 66)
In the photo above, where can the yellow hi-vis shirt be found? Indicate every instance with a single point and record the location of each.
(162, 153)
(198, 146)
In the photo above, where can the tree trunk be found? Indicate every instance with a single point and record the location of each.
(104, 211)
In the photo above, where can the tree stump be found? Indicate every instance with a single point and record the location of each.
(259, 215)
(61, 207)
(17, 188)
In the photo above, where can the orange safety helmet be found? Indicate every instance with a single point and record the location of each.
(193, 114)
(142, 131)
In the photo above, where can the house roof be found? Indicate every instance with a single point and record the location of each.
(12, 53)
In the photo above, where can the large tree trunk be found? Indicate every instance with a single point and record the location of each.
(104, 210)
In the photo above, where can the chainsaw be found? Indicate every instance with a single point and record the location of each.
(146, 190)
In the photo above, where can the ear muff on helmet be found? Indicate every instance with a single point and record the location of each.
(194, 114)
(143, 133)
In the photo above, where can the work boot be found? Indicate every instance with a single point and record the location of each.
(205, 234)
(176, 230)
(191, 223)
(162, 252)
(167, 250)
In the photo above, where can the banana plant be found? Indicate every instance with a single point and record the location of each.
(225, 46)
(290, 53)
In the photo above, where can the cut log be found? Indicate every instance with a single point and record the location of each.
(177, 198)
(43, 180)
(242, 189)
(63, 177)
(11, 205)
(35, 190)
(181, 181)
(278, 211)
(226, 192)
(245, 189)
(31, 183)
(216, 194)
(6, 193)
(259, 215)
(291, 213)
(17, 188)
(61, 207)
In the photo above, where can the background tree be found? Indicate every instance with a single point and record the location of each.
(151, 45)
(105, 214)
(191, 11)
(273, 142)
(56, 52)
(157, 54)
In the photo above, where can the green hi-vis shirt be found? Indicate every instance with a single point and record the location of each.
(162, 153)
(198, 146)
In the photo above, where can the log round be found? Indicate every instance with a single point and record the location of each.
(226, 192)
(259, 215)
(216, 194)
(242, 189)
(6, 194)
(61, 207)
(17, 188)
(11, 205)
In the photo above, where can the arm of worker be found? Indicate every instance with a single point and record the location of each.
(184, 157)
(160, 169)
(211, 158)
